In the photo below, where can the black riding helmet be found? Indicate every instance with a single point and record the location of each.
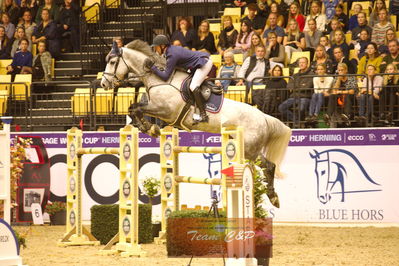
(160, 40)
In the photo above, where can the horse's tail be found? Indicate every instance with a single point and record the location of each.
(278, 139)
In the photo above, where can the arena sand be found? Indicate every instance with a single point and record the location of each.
(293, 245)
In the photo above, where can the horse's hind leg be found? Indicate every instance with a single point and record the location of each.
(268, 170)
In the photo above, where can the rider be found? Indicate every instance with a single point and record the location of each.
(176, 56)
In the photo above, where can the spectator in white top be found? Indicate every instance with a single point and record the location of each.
(253, 67)
(321, 85)
(315, 13)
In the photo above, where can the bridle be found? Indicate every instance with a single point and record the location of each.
(130, 70)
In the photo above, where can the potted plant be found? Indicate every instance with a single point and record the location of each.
(151, 186)
(57, 212)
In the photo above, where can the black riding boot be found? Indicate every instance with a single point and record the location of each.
(200, 103)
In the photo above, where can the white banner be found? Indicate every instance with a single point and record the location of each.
(331, 175)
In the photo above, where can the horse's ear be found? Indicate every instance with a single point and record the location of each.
(315, 155)
(115, 49)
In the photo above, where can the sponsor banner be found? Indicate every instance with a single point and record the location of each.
(347, 137)
(111, 139)
(331, 175)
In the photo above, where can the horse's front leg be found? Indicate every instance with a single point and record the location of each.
(136, 113)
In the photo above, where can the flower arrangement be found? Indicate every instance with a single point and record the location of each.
(17, 158)
(54, 207)
(151, 187)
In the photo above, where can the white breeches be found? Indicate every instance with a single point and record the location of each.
(200, 75)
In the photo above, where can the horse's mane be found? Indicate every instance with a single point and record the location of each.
(144, 48)
(140, 46)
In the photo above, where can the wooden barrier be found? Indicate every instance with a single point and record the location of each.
(126, 239)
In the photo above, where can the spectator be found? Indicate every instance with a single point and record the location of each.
(177, 43)
(20, 34)
(254, 66)
(274, 51)
(321, 58)
(263, 12)
(333, 27)
(378, 6)
(21, 60)
(243, 3)
(389, 36)
(274, 89)
(228, 36)
(312, 37)
(228, 70)
(315, 14)
(255, 42)
(369, 91)
(27, 24)
(339, 41)
(184, 33)
(394, 7)
(47, 31)
(321, 86)
(325, 42)
(257, 22)
(353, 19)
(380, 29)
(244, 38)
(392, 57)
(295, 13)
(53, 9)
(294, 40)
(5, 44)
(204, 41)
(344, 87)
(371, 57)
(329, 8)
(28, 5)
(390, 94)
(305, 7)
(361, 44)
(301, 91)
(272, 26)
(12, 9)
(69, 20)
(119, 42)
(339, 57)
(342, 17)
(10, 28)
(280, 18)
(362, 21)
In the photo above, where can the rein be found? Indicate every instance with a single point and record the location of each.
(130, 70)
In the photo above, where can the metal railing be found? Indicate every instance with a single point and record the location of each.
(46, 110)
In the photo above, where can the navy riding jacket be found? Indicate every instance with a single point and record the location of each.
(177, 56)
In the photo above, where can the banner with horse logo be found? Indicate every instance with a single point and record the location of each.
(345, 176)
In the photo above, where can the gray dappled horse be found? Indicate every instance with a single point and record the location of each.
(264, 135)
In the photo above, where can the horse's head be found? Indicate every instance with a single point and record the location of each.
(128, 59)
(323, 171)
(116, 68)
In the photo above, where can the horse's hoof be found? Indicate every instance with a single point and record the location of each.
(155, 131)
(273, 197)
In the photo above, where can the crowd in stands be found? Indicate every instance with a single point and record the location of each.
(33, 32)
(334, 37)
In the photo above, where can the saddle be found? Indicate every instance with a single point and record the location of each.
(212, 94)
